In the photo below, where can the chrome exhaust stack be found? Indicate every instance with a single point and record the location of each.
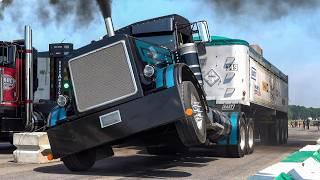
(28, 75)
(109, 26)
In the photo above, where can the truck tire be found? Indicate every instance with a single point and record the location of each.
(191, 129)
(238, 151)
(11, 140)
(250, 137)
(81, 161)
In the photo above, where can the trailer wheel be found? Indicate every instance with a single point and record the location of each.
(275, 132)
(81, 161)
(238, 151)
(250, 137)
(284, 131)
(192, 128)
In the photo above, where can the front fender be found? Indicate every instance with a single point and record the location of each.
(174, 75)
(57, 114)
(183, 73)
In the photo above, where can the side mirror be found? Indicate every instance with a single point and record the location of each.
(201, 32)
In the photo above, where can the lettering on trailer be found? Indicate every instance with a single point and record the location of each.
(257, 90)
(231, 67)
(228, 107)
(59, 77)
(254, 73)
(9, 82)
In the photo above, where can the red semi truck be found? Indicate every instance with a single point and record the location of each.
(18, 82)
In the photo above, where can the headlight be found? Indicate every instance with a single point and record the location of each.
(148, 71)
(62, 100)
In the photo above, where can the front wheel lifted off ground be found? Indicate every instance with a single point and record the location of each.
(192, 128)
(81, 161)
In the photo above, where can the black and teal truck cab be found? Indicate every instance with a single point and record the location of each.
(144, 82)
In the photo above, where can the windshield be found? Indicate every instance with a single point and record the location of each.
(167, 41)
(7, 55)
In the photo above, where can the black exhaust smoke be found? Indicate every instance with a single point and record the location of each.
(267, 10)
(3, 5)
(81, 12)
(105, 7)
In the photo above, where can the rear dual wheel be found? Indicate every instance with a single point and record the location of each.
(279, 131)
(239, 149)
(274, 132)
(250, 137)
(283, 131)
(245, 143)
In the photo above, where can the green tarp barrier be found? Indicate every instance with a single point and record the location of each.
(316, 156)
(283, 176)
(298, 156)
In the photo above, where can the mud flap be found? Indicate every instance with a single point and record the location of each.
(232, 139)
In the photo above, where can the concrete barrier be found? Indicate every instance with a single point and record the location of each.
(302, 164)
(32, 148)
(310, 148)
(273, 171)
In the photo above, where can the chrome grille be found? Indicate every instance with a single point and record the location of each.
(102, 76)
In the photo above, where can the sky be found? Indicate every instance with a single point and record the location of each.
(290, 41)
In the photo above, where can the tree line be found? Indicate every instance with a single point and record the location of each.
(301, 112)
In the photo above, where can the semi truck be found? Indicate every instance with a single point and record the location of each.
(165, 83)
(30, 82)
(18, 82)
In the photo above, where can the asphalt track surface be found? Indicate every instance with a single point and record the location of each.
(134, 163)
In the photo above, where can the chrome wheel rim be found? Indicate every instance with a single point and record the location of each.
(250, 137)
(242, 138)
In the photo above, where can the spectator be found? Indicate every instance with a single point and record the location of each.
(304, 124)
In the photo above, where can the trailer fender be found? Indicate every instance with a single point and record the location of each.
(58, 114)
